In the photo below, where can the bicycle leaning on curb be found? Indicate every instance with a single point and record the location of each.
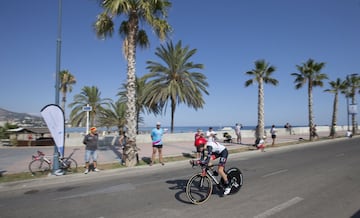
(41, 163)
(200, 186)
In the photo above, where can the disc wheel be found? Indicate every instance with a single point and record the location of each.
(235, 178)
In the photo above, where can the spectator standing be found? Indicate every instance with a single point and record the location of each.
(288, 128)
(157, 143)
(122, 142)
(314, 132)
(91, 144)
(238, 133)
(211, 135)
(273, 134)
(199, 143)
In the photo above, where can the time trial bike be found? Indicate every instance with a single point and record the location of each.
(200, 186)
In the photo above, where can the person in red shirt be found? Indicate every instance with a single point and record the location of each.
(199, 143)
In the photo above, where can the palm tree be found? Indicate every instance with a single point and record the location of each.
(66, 82)
(352, 86)
(261, 74)
(136, 12)
(89, 96)
(114, 116)
(141, 106)
(173, 80)
(310, 74)
(336, 86)
(150, 12)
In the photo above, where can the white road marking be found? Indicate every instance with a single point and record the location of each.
(275, 173)
(279, 208)
(340, 155)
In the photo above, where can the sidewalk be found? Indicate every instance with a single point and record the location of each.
(16, 159)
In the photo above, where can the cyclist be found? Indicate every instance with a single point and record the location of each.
(216, 150)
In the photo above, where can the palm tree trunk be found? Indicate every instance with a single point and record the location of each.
(311, 119)
(333, 122)
(63, 103)
(173, 107)
(261, 116)
(353, 116)
(131, 151)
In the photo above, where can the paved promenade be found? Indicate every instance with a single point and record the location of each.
(16, 159)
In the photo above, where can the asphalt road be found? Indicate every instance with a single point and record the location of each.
(308, 180)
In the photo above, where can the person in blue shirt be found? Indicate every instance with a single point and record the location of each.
(157, 143)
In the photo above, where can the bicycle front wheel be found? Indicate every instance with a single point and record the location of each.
(199, 188)
(39, 167)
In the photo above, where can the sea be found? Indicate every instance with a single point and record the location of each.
(177, 129)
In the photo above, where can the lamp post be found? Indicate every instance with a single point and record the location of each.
(57, 80)
(348, 113)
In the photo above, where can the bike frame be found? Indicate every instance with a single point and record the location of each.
(41, 156)
(206, 170)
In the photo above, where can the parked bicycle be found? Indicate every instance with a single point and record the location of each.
(200, 186)
(41, 163)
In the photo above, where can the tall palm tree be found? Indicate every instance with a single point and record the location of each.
(310, 74)
(88, 96)
(174, 81)
(114, 116)
(141, 105)
(149, 12)
(66, 82)
(353, 85)
(336, 86)
(261, 75)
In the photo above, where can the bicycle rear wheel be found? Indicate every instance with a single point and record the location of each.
(69, 165)
(199, 188)
(235, 178)
(39, 167)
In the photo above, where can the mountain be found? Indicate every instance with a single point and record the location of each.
(20, 118)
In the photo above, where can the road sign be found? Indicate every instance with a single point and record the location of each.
(87, 108)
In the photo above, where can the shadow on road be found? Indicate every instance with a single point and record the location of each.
(180, 186)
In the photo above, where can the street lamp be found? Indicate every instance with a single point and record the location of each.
(57, 80)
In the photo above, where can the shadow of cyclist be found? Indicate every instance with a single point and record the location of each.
(179, 185)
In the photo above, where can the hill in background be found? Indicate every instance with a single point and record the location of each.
(21, 119)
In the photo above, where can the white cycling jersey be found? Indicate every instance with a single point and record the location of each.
(216, 147)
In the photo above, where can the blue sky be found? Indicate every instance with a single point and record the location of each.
(229, 36)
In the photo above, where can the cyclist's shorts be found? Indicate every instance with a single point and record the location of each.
(223, 157)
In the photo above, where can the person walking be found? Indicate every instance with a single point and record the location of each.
(91, 144)
(238, 133)
(273, 134)
(157, 143)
